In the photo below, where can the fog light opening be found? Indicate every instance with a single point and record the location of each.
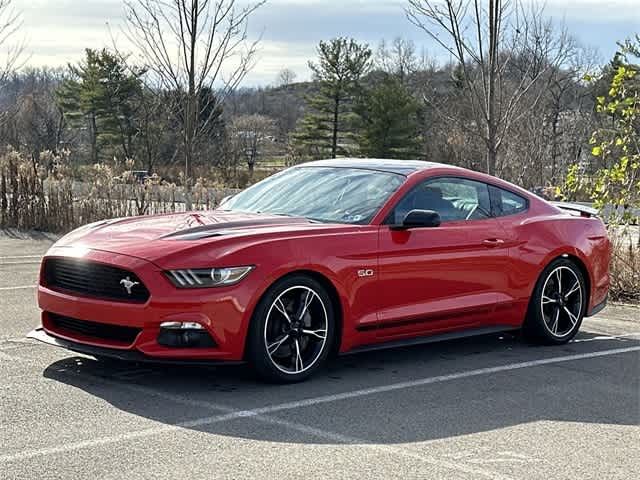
(184, 335)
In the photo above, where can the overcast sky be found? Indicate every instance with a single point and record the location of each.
(57, 31)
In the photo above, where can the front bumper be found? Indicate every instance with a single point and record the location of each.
(126, 355)
(223, 312)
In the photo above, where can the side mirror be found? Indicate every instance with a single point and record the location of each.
(419, 219)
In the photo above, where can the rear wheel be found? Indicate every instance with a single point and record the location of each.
(558, 304)
(292, 330)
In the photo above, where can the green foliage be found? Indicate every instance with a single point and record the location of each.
(388, 121)
(617, 144)
(103, 95)
(575, 187)
(327, 127)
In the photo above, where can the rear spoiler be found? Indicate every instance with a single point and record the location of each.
(576, 208)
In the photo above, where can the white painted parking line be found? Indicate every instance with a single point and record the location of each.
(228, 413)
(441, 378)
(21, 287)
(111, 439)
(6, 342)
(259, 412)
(630, 336)
(440, 462)
(2, 264)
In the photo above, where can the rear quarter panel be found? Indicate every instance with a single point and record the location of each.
(539, 239)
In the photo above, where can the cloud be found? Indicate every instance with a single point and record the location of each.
(303, 23)
(59, 30)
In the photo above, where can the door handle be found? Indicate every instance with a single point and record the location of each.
(493, 242)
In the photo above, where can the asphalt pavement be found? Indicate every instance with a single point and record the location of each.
(485, 407)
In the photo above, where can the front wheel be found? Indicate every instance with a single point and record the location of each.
(292, 330)
(558, 304)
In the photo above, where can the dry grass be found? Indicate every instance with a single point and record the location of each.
(43, 196)
(625, 267)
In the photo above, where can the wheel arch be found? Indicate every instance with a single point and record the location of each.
(574, 257)
(530, 327)
(331, 289)
(585, 274)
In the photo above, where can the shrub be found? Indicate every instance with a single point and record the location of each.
(625, 267)
(41, 194)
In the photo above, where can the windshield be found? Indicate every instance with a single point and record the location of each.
(324, 194)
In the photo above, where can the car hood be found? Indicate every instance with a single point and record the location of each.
(156, 236)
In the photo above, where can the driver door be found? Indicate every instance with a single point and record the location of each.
(441, 278)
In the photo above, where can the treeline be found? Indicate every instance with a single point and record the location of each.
(521, 99)
(387, 103)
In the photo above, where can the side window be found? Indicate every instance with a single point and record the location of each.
(506, 202)
(455, 199)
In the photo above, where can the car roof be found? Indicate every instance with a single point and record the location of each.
(401, 167)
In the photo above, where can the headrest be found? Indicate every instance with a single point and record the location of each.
(433, 192)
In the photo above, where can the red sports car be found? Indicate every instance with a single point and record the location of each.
(327, 258)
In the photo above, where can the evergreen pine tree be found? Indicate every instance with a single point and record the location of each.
(327, 127)
(389, 121)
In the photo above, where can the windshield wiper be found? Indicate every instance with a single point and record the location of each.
(290, 215)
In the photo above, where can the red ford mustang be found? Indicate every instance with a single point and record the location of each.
(327, 257)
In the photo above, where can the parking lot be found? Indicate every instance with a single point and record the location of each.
(486, 407)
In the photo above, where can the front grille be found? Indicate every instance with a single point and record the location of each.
(93, 280)
(103, 331)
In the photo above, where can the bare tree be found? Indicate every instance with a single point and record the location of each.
(251, 135)
(285, 77)
(193, 47)
(10, 23)
(487, 39)
(569, 106)
(38, 120)
(397, 58)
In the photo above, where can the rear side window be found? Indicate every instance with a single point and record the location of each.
(505, 202)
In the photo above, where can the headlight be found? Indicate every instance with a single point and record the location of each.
(207, 277)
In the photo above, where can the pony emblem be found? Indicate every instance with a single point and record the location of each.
(128, 284)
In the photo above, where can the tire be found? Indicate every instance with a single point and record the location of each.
(558, 304)
(292, 330)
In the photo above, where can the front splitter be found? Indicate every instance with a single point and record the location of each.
(125, 355)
